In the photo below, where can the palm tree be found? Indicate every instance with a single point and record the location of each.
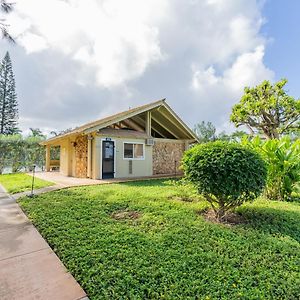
(6, 8)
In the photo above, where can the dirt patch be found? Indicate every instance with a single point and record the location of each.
(230, 219)
(126, 215)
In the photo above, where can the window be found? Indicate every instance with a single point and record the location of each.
(128, 150)
(133, 151)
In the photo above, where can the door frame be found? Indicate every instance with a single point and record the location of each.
(107, 139)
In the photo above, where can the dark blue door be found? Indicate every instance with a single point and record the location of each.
(108, 159)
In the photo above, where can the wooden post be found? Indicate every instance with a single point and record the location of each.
(89, 157)
(48, 147)
(186, 145)
(148, 123)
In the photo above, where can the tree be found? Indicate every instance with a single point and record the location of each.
(5, 8)
(235, 136)
(8, 98)
(18, 153)
(5, 152)
(268, 109)
(55, 133)
(226, 174)
(205, 131)
(36, 132)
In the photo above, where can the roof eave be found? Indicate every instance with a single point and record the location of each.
(130, 115)
(190, 131)
(57, 138)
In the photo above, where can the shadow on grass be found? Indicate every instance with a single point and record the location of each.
(278, 220)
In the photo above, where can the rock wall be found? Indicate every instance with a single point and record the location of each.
(164, 156)
(81, 152)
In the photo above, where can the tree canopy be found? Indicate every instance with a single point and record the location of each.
(205, 131)
(267, 109)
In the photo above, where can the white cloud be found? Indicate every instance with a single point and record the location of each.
(94, 57)
(224, 90)
(33, 42)
(248, 69)
(118, 39)
(203, 80)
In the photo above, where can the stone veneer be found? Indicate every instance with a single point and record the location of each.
(81, 150)
(164, 156)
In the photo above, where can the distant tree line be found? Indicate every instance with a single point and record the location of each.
(207, 132)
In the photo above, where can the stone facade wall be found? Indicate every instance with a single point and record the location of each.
(81, 152)
(164, 156)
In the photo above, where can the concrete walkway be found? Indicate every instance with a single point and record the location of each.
(66, 181)
(29, 269)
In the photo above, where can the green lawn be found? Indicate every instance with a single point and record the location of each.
(169, 251)
(20, 182)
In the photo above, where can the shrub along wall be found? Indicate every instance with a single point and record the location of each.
(18, 153)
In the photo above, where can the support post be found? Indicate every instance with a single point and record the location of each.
(148, 123)
(186, 145)
(48, 158)
(89, 157)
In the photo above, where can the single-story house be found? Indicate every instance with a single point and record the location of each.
(143, 141)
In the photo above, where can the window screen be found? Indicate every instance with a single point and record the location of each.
(138, 151)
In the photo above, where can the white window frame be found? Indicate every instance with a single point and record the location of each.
(134, 143)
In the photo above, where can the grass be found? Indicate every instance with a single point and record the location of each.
(20, 182)
(168, 251)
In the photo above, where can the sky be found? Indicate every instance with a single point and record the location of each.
(77, 61)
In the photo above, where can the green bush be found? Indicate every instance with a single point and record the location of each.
(20, 153)
(226, 174)
(283, 161)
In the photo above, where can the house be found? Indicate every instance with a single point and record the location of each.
(143, 141)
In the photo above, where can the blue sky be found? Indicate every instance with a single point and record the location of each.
(283, 50)
(97, 57)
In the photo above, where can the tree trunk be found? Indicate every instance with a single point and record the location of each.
(220, 211)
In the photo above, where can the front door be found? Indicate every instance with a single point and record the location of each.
(108, 159)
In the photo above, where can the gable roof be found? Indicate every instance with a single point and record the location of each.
(110, 120)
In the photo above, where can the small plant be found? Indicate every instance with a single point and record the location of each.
(226, 174)
(283, 161)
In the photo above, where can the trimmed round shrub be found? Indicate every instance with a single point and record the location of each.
(226, 174)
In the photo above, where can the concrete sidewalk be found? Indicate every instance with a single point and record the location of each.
(29, 269)
(63, 181)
